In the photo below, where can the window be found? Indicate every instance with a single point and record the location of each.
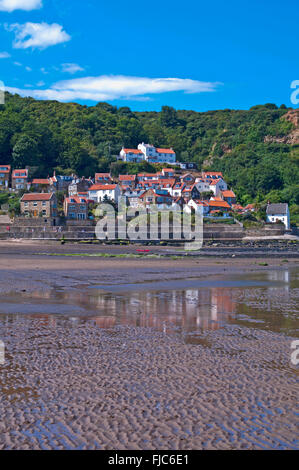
(35, 204)
(44, 203)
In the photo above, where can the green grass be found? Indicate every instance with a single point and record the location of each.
(102, 255)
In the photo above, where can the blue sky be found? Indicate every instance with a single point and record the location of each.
(190, 55)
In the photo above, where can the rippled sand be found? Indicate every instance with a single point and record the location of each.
(76, 386)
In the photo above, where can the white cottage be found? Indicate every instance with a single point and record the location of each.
(97, 192)
(278, 212)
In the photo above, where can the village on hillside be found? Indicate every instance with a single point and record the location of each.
(74, 198)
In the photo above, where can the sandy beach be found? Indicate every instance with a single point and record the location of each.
(219, 376)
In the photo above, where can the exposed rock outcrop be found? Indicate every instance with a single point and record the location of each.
(293, 137)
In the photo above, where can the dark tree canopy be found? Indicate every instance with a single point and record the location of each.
(73, 138)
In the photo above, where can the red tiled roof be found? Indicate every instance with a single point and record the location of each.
(103, 175)
(8, 168)
(138, 152)
(223, 204)
(170, 181)
(37, 197)
(76, 200)
(17, 174)
(40, 181)
(213, 182)
(228, 193)
(165, 151)
(102, 187)
(237, 207)
(127, 177)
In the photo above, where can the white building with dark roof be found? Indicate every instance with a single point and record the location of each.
(278, 212)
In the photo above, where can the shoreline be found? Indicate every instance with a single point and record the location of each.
(40, 267)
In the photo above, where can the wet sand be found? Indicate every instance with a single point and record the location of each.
(70, 384)
(137, 388)
(31, 266)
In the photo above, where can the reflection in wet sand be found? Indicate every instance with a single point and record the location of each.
(270, 305)
(177, 369)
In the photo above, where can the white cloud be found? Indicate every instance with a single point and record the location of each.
(4, 55)
(109, 88)
(71, 68)
(11, 5)
(40, 35)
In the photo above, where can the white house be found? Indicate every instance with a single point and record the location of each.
(217, 186)
(202, 185)
(97, 192)
(177, 189)
(278, 212)
(131, 155)
(132, 197)
(149, 153)
(197, 206)
(153, 154)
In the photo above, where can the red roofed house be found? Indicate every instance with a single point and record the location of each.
(167, 184)
(250, 208)
(76, 208)
(158, 197)
(188, 179)
(197, 206)
(190, 192)
(168, 173)
(212, 174)
(219, 205)
(103, 178)
(40, 183)
(131, 155)
(147, 176)
(217, 185)
(19, 179)
(39, 205)
(98, 192)
(149, 153)
(4, 176)
(229, 196)
(157, 155)
(177, 189)
(237, 208)
(127, 180)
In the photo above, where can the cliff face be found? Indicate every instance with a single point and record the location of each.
(293, 137)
